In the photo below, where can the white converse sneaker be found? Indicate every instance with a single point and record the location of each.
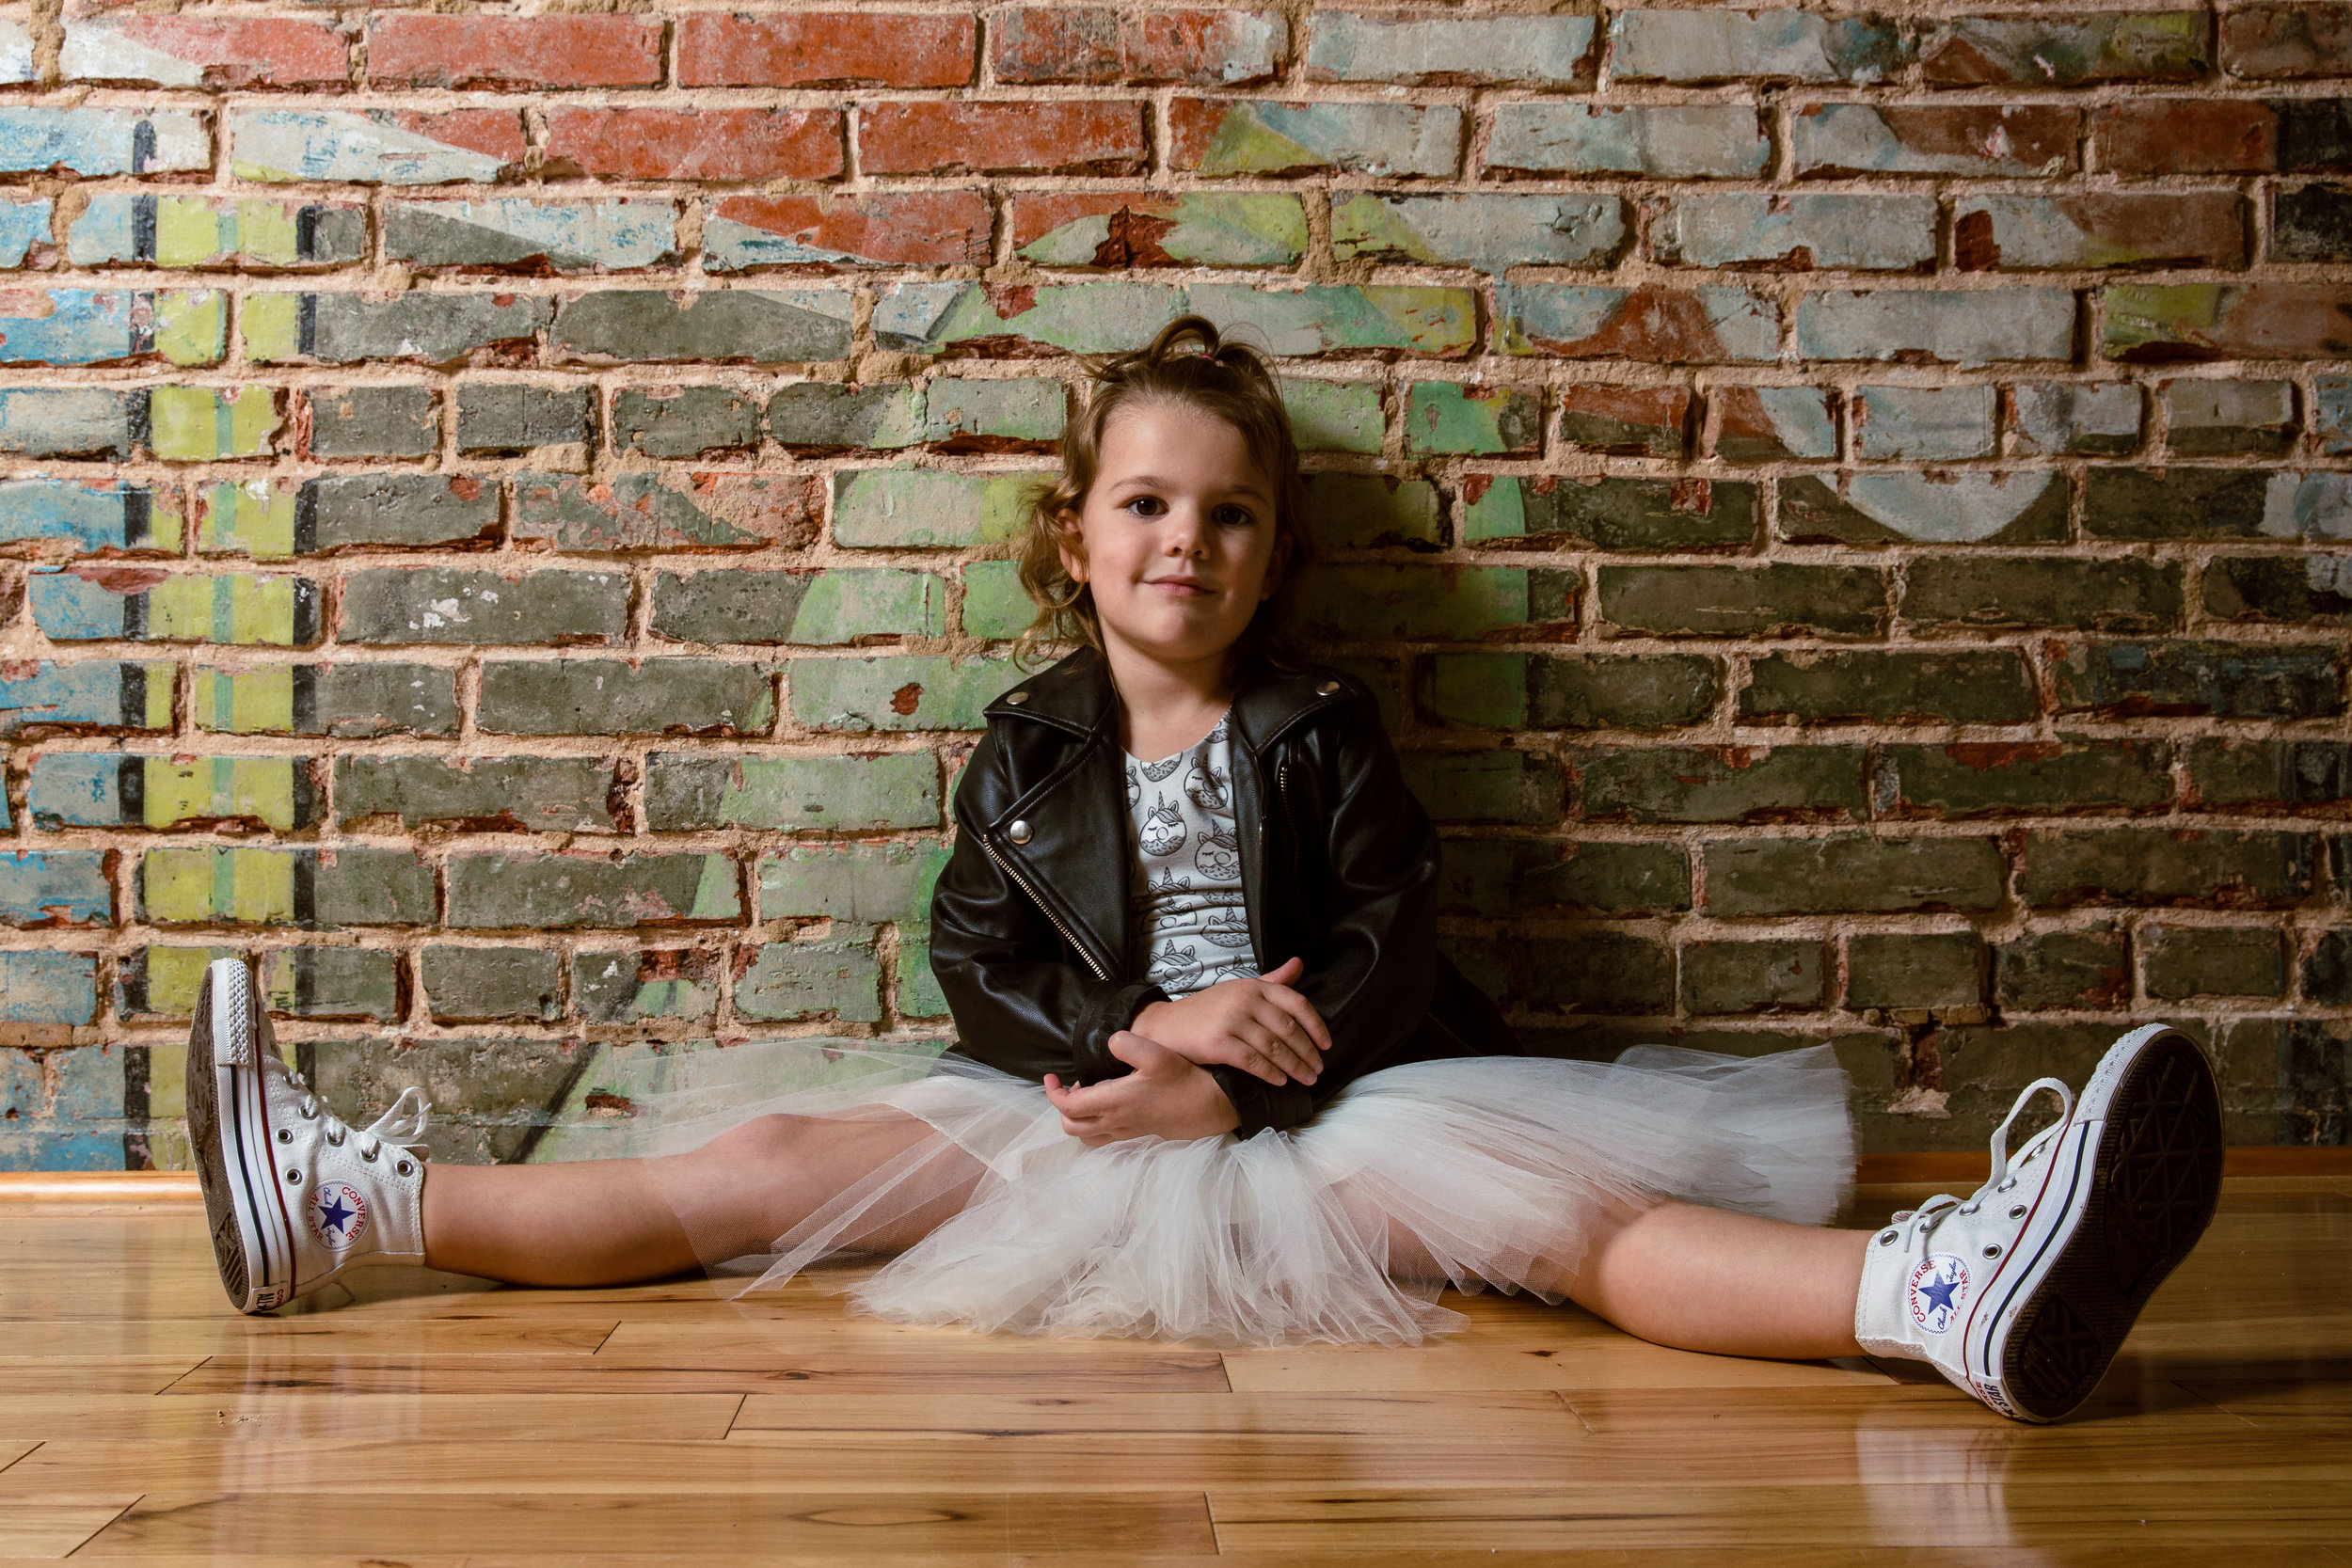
(2023, 1295)
(294, 1196)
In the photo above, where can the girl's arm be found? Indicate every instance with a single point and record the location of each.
(1018, 1005)
(1376, 971)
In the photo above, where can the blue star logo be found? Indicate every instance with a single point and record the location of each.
(1938, 1294)
(336, 1216)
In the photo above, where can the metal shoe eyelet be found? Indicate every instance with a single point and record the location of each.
(335, 1137)
(369, 1154)
(1888, 1238)
(285, 1134)
(2017, 1212)
(1968, 1208)
(1992, 1251)
(404, 1168)
(293, 1178)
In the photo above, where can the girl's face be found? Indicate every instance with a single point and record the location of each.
(1176, 536)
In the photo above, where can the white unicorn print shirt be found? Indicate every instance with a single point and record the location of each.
(1184, 904)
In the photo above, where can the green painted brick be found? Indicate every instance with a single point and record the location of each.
(818, 608)
(1354, 512)
(965, 414)
(919, 995)
(1452, 417)
(640, 985)
(1333, 416)
(918, 508)
(871, 884)
(192, 329)
(1374, 603)
(1523, 691)
(1584, 876)
(844, 794)
(203, 424)
(566, 891)
(809, 979)
(994, 602)
(1614, 514)
(1486, 786)
(897, 693)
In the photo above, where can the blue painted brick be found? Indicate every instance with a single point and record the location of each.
(23, 225)
(55, 887)
(108, 516)
(101, 693)
(48, 987)
(102, 141)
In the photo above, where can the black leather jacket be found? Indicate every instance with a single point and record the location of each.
(1029, 925)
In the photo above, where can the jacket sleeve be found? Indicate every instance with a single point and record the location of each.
(1020, 1002)
(1377, 971)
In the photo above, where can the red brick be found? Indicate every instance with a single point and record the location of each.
(2185, 135)
(696, 144)
(1025, 138)
(826, 49)
(2297, 39)
(515, 51)
(1100, 44)
(496, 132)
(236, 53)
(900, 228)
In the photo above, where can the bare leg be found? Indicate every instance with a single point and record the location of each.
(609, 1222)
(1729, 1284)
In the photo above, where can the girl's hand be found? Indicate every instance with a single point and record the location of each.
(1166, 1096)
(1262, 1026)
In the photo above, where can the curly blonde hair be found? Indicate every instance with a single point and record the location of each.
(1189, 363)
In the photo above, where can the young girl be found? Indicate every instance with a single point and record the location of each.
(1215, 1079)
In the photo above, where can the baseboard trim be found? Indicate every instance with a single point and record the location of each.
(1951, 1167)
(1960, 1167)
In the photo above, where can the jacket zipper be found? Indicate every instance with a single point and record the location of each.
(1046, 910)
(1290, 821)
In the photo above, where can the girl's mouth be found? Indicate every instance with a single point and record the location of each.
(1180, 587)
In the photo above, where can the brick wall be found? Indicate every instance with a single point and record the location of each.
(502, 513)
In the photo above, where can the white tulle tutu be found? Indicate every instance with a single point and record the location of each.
(1478, 1172)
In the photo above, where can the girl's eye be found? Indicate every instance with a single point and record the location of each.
(1147, 506)
(1235, 516)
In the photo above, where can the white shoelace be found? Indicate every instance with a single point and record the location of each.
(2007, 1170)
(402, 1126)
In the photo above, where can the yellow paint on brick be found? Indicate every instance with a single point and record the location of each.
(230, 607)
(245, 702)
(273, 328)
(198, 424)
(172, 976)
(267, 233)
(254, 517)
(159, 678)
(165, 523)
(250, 886)
(1004, 507)
(258, 787)
(192, 328)
(190, 231)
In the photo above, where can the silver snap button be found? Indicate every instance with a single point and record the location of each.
(1328, 689)
(1019, 831)
(1016, 699)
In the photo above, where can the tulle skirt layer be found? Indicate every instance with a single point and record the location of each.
(1476, 1172)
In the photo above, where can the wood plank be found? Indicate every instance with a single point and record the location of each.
(277, 1416)
(231, 1334)
(2283, 1402)
(15, 1448)
(965, 1525)
(50, 1527)
(1712, 1517)
(922, 1418)
(131, 1374)
(1755, 1555)
(1145, 1368)
(1616, 1362)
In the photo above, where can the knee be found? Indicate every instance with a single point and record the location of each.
(770, 1140)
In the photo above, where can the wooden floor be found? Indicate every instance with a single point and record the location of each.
(440, 1422)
